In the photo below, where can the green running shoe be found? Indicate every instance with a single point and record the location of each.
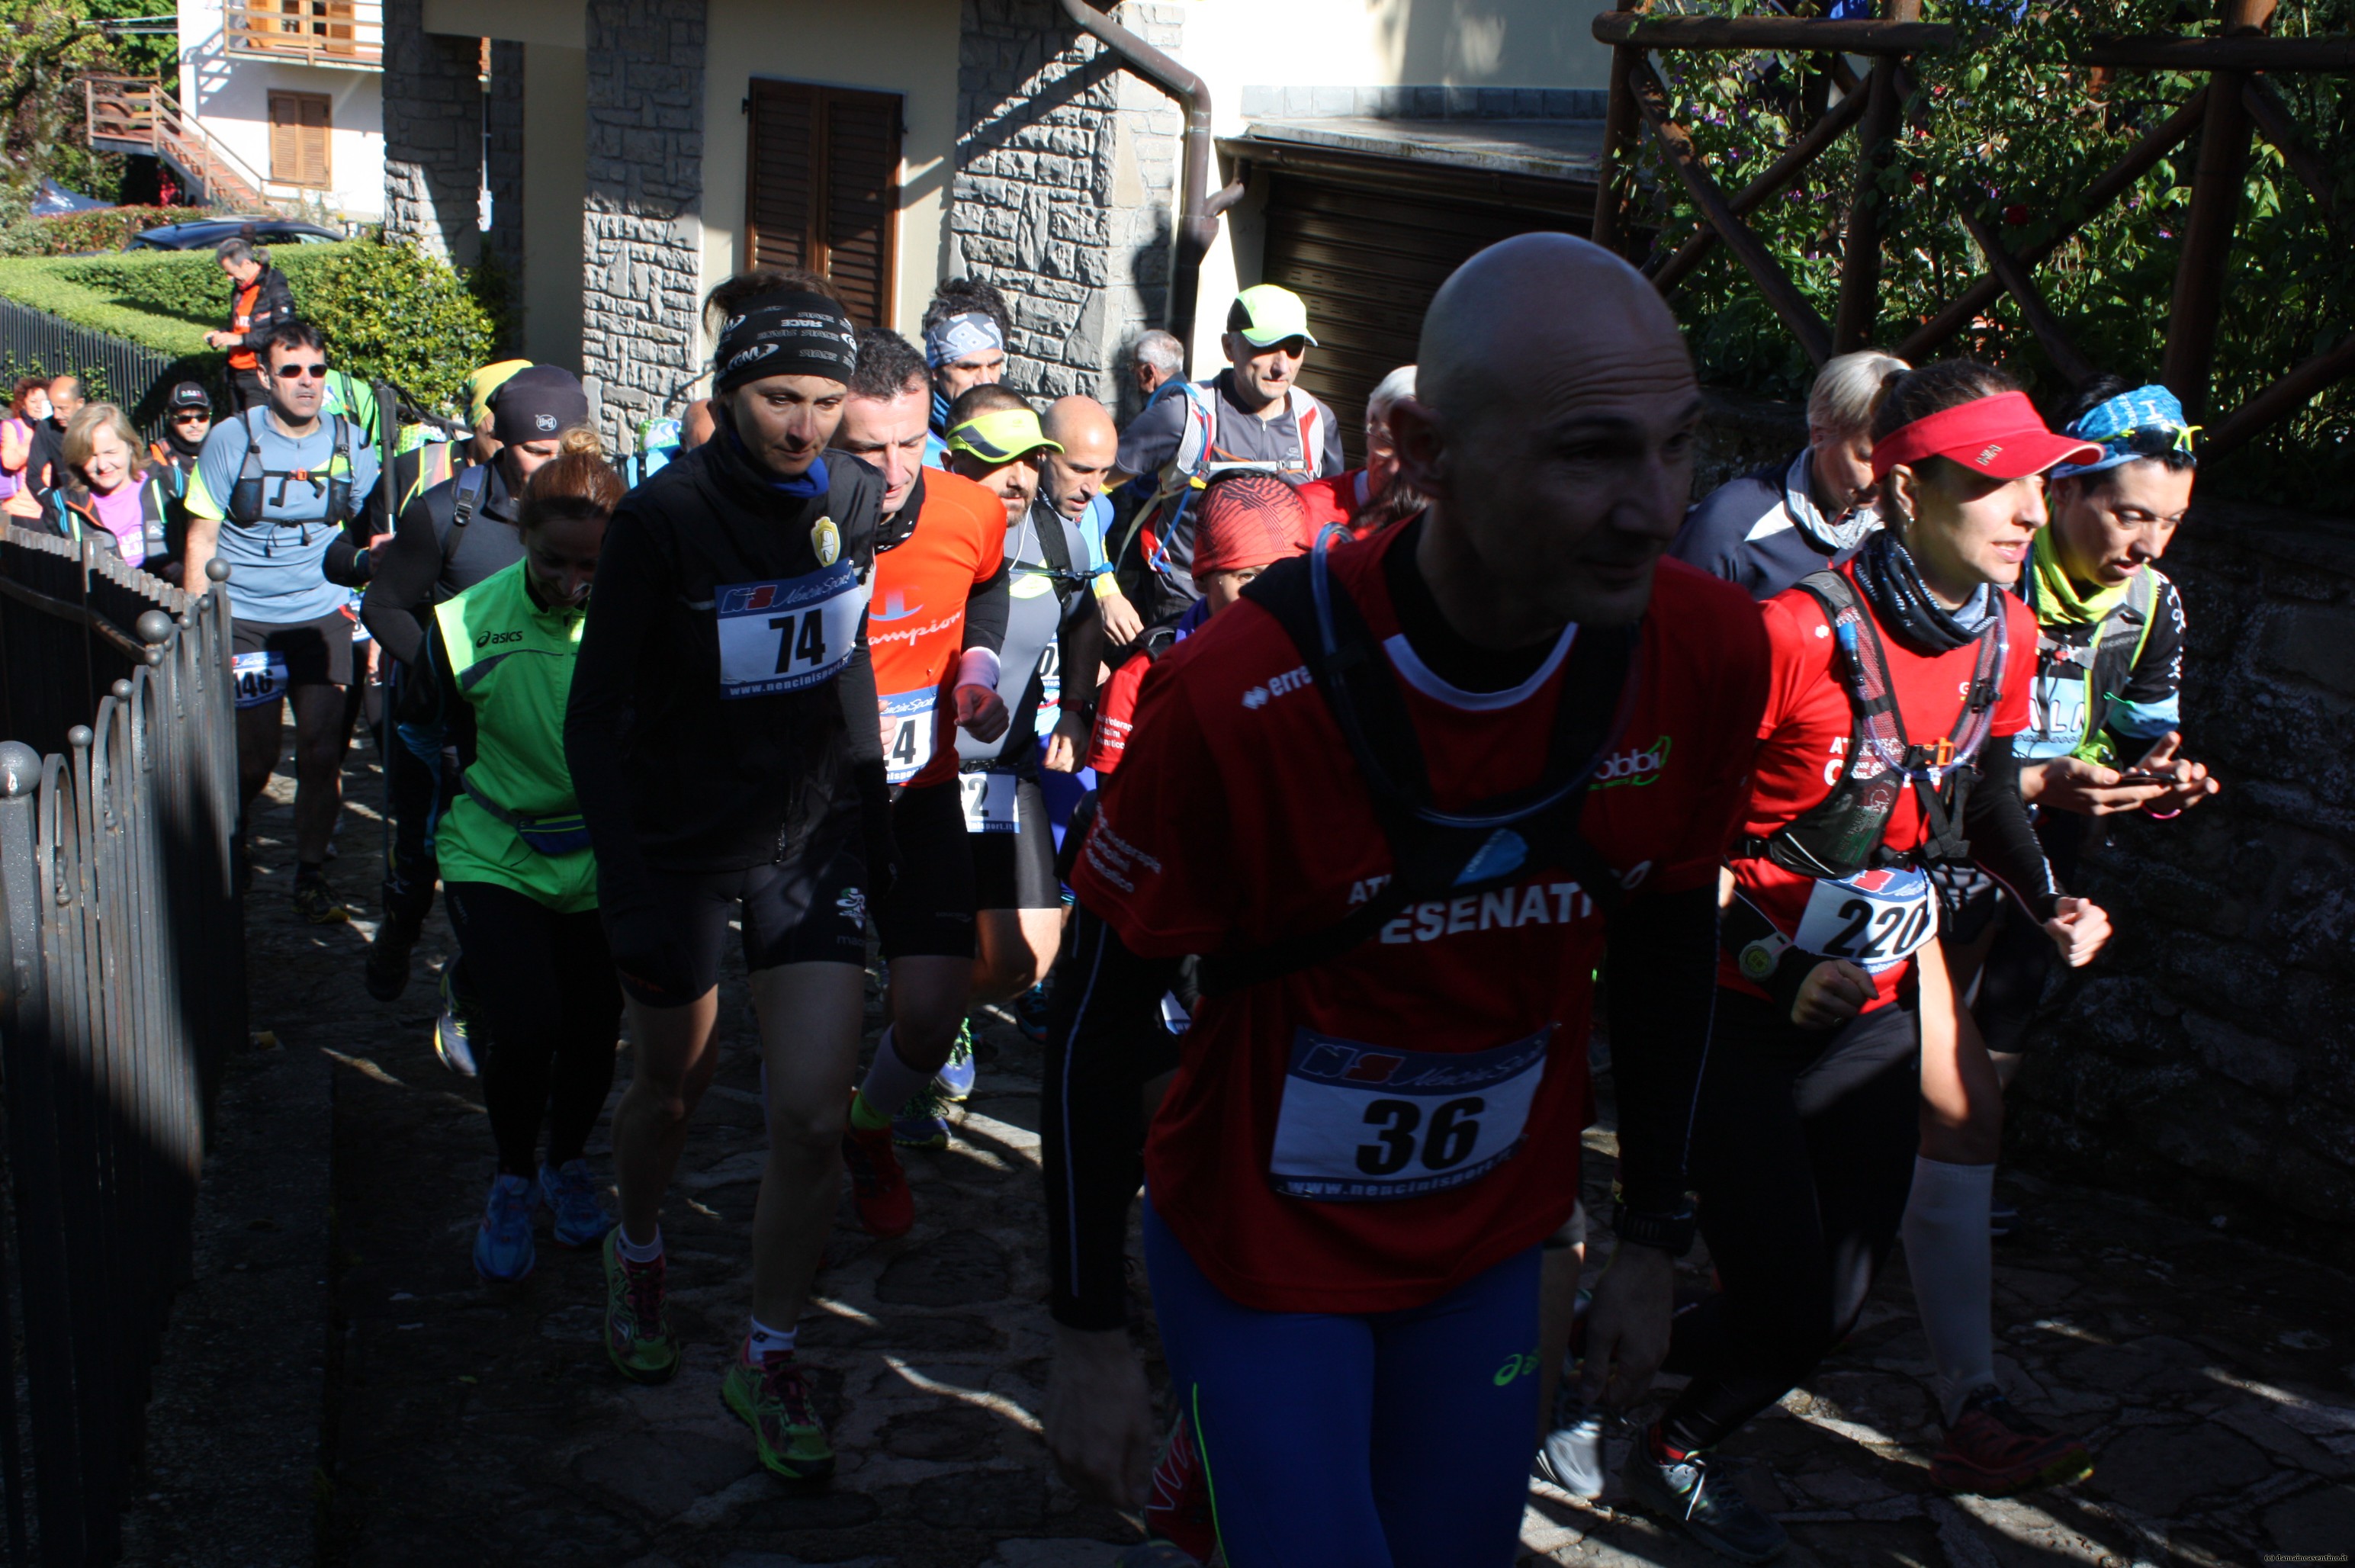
(637, 1333)
(923, 1121)
(773, 1400)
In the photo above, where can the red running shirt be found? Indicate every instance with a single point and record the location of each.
(1116, 712)
(915, 622)
(1803, 745)
(1238, 816)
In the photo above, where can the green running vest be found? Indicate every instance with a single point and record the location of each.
(512, 661)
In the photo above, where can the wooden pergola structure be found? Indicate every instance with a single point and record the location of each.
(2236, 101)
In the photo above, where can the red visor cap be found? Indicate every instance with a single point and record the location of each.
(2002, 437)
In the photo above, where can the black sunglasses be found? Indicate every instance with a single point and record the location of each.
(299, 372)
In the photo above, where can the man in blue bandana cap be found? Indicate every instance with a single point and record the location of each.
(966, 328)
(2103, 739)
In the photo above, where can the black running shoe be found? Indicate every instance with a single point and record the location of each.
(1696, 1492)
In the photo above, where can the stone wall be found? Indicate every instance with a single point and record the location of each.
(640, 342)
(432, 136)
(1064, 185)
(2208, 1058)
(503, 158)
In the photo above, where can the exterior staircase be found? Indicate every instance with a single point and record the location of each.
(135, 114)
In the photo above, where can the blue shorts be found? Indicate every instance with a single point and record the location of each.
(1395, 1440)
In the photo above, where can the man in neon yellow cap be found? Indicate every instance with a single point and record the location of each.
(994, 439)
(1253, 411)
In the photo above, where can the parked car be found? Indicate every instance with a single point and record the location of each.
(204, 233)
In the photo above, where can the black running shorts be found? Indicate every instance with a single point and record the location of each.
(1016, 869)
(807, 908)
(930, 911)
(272, 659)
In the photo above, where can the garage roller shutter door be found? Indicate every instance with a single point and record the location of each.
(1367, 263)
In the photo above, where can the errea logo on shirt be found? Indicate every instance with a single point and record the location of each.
(1289, 680)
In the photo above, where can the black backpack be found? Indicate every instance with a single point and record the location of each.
(1437, 854)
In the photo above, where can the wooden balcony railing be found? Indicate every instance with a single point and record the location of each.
(344, 33)
(135, 115)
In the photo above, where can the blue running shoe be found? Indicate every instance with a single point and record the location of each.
(503, 1249)
(581, 1217)
(955, 1079)
(450, 1042)
(1030, 1010)
(923, 1121)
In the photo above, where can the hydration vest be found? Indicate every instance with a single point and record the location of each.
(2105, 662)
(245, 497)
(1437, 854)
(1157, 582)
(1843, 832)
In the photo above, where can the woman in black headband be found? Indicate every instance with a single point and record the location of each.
(723, 738)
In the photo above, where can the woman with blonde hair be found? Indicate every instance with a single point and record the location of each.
(105, 493)
(533, 971)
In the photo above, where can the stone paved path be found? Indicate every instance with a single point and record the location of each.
(467, 1425)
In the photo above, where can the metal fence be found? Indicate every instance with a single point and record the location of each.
(121, 949)
(115, 369)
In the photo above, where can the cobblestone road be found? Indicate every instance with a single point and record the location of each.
(469, 1424)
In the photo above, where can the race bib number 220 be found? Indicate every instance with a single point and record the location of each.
(784, 636)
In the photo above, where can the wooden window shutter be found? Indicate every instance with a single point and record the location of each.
(300, 125)
(316, 126)
(822, 188)
(285, 139)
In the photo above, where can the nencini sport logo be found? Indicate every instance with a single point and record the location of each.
(1636, 766)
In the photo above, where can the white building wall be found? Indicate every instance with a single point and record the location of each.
(229, 97)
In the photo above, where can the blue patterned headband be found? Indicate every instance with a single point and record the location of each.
(947, 342)
(2145, 423)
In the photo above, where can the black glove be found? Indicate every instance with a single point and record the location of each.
(875, 830)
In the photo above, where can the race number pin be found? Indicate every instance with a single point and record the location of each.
(826, 540)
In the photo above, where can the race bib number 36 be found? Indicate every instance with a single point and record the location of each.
(783, 636)
(1369, 1122)
(1875, 920)
(260, 677)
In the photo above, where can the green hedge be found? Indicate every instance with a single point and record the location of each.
(77, 233)
(386, 311)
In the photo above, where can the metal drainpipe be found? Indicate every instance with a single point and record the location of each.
(1197, 223)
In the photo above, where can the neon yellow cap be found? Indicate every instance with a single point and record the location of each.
(1001, 435)
(1271, 314)
(487, 380)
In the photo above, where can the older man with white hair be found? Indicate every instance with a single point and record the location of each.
(1772, 526)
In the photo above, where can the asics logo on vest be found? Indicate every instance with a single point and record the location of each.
(1637, 765)
(1289, 680)
(492, 639)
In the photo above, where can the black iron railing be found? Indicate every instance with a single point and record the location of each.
(121, 950)
(113, 370)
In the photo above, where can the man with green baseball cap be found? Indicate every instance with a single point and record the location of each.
(1253, 411)
(994, 439)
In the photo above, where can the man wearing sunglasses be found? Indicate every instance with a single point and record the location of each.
(273, 491)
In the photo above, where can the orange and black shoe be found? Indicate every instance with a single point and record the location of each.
(877, 1185)
(1994, 1451)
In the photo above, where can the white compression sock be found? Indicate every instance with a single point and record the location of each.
(891, 1082)
(760, 1339)
(1950, 1254)
(637, 1252)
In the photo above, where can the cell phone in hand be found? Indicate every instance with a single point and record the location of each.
(2136, 776)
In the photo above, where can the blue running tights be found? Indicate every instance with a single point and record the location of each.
(1394, 1440)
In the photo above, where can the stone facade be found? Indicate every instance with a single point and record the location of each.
(1064, 187)
(640, 342)
(2208, 1058)
(432, 136)
(503, 157)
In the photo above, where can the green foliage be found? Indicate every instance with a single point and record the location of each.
(2008, 128)
(78, 233)
(394, 313)
(45, 50)
(386, 311)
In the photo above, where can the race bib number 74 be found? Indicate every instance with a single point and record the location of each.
(1369, 1122)
(787, 634)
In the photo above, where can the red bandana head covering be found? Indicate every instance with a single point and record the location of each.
(1246, 521)
(2002, 436)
